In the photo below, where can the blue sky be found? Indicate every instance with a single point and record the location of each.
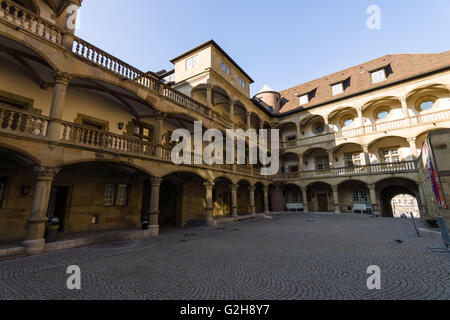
(282, 43)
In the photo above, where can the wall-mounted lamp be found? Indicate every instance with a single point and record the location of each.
(121, 125)
(26, 190)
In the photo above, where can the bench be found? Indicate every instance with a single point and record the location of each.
(295, 206)
(360, 207)
(445, 236)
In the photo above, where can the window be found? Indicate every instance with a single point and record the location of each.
(143, 131)
(337, 88)
(390, 156)
(378, 76)
(360, 196)
(323, 163)
(293, 197)
(116, 195)
(304, 99)
(320, 128)
(226, 68)
(270, 109)
(426, 105)
(348, 122)
(109, 194)
(352, 160)
(192, 62)
(122, 195)
(241, 82)
(383, 114)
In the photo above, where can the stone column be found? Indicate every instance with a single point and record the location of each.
(209, 97)
(305, 199)
(252, 200)
(374, 200)
(327, 125)
(367, 158)
(209, 203)
(361, 121)
(413, 146)
(337, 208)
(234, 205)
(35, 242)
(154, 201)
(266, 200)
(158, 134)
(62, 80)
(405, 110)
(331, 158)
(68, 37)
(249, 120)
(299, 131)
(232, 111)
(301, 163)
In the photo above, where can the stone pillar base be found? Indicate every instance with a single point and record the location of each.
(153, 231)
(33, 247)
(210, 223)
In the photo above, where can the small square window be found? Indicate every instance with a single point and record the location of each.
(378, 76)
(304, 99)
(337, 88)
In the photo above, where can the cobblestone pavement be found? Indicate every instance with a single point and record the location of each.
(291, 256)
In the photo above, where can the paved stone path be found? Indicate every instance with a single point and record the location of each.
(291, 256)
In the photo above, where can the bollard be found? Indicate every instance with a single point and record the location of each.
(52, 230)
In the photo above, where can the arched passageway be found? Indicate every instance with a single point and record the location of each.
(390, 188)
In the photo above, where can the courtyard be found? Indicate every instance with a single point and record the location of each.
(287, 256)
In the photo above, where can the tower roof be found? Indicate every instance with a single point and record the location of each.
(266, 88)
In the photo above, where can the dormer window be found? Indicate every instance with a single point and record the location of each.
(378, 76)
(337, 88)
(304, 99)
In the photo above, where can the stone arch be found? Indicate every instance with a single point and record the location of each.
(388, 188)
(320, 197)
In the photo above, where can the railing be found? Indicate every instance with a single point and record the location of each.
(22, 123)
(182, 99)
(79, 135)
(382, 168)
(21, 17)
(218, 117)
(103, 59)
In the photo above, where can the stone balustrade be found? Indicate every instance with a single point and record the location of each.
(26, 20)
(22, 123)
(381, 168)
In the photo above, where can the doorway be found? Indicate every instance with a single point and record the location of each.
(322, 202)
(59, 204)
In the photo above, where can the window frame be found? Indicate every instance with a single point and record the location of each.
(305, 96)
(378, 72)
(114, 201)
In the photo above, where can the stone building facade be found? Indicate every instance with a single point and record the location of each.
(85, 137)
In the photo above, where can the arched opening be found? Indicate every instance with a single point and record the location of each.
(243, 194)
(316, 159)
(240, 115)
(259, 198)
(389, 189)
(354, 196)
(289, 164)
(17, 185)
(403, 205)
(222, 197)
(98, 196)
(292, 195)
(29, 5)
(182, 200)
(320, 197)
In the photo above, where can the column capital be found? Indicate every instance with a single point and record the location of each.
(252, 188)
(156, 181)
(410, 140)
(160, 115)
(234, 187)
(62, 77)
(371, 186)
(402, 99)
(365, 147)
(209, 184)
(335, 188)
(45, 173)
(266, 189)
